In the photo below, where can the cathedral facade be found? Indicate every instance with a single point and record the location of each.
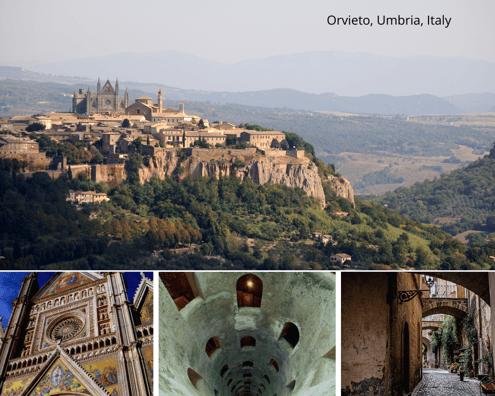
(79, 335)
(105, 100)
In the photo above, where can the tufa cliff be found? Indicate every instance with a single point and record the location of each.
(291, 168)
(342, 188)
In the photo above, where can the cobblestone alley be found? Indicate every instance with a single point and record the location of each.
(438, 382)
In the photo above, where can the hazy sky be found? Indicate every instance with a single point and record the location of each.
(230, 31)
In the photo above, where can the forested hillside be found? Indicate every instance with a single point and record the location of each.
(463, 199)
(209, 223)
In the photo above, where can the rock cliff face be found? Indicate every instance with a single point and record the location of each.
(162, 164)
(342, 188)
(261, 169)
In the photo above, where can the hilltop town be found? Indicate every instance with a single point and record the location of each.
(97, 138)
(150, 183)
(104, 115)
(105, 141)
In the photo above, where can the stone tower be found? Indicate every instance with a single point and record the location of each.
(160, 102)
(256, 333)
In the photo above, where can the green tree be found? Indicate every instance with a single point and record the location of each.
(35, 126)
(450, 338)
(126, 123)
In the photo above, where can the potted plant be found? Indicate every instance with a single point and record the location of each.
(488, 387)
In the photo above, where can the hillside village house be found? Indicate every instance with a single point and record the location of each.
(340, 258)
(86, 197)
(261, 139)
(169, 136)
(212, 137)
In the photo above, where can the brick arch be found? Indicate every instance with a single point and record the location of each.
(477, 281)
(431, 325)
(457, 309)
(427, 342)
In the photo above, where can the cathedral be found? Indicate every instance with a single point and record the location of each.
(105, 100)
(79, 335)
(247, 334)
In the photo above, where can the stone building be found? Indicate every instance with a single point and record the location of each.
(13, 146)
(168, 136)
(247, 334)
(450, 299)
(143, 106)
(212, 137)
(481, 312)
(339, 258)
(105, 100)
(261, 139)
(381, 336)
(79, 335)
(86, 197)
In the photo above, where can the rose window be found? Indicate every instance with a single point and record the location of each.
(66, 329)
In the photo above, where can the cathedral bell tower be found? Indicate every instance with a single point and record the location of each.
(116, 108)
(17, 323)
(98, 93)
(130, 359)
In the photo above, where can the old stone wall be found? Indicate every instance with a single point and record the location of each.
(365, 334)
(406, 363)
(304, 299)
(36, 161)
(482, 321)
(491, 283)
(112, 175)
(80, 169)
(381, 337)
(429, 362)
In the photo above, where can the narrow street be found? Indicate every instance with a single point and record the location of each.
(439, 382)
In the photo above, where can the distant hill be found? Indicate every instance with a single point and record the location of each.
(463, 199)
(342, 73)
(330, 134)
(276, 98)
(290, 98)
(476, 103)
(19, 73)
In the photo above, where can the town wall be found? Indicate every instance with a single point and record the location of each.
(365, 334)
(80, 169)
(112, 175)
(381, 337)
(36, 161)
(283, 153)
(406, 365)
(481, 315)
